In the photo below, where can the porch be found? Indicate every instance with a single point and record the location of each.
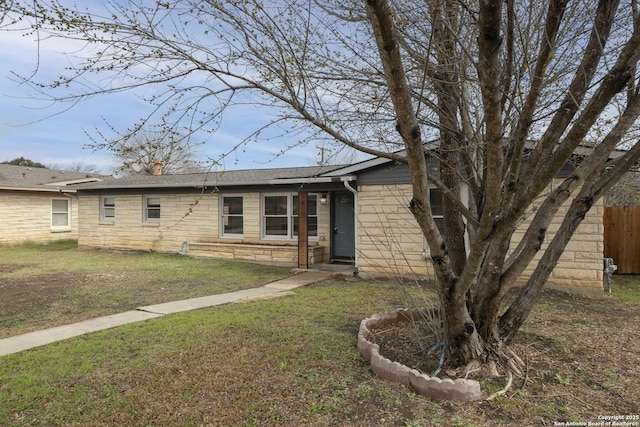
(264, 253)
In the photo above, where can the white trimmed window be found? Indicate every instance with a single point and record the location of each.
(312, 215)
(107, 208)
(60, 213)
(232, 216)
(437, 210)
(280, 216)
(435, 197)
(152, 208)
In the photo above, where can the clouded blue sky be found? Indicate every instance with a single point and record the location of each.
(44, 132)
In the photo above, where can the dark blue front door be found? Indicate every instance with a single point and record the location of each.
(343, 235)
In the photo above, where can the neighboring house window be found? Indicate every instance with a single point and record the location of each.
(151, 208)
(280, 216)
(60, 213)
(232, 219)
(107, 208)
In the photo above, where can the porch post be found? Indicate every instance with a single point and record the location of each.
(303, 232)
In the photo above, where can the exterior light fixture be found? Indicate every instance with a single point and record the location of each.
(323, 199)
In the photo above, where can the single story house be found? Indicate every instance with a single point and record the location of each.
(356, 213)
(38, 204)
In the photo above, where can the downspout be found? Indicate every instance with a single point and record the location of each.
(345, 181)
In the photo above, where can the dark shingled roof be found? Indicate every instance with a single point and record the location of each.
(26, 178)
(210, 179)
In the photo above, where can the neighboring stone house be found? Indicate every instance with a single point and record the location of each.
(39, 205)
(356, 213)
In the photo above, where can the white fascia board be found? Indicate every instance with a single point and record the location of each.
(74, 181)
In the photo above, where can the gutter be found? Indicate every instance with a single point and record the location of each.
(114, 185)
(39, 189)
(209, 184)
(310, 180)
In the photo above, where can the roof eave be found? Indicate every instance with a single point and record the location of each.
(311, 180)
(39, 189)
(366, 164)
(204, 185)
(74, 182)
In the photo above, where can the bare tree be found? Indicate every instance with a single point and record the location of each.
(77, 166)
(503, 94)
(626, 192)
(137, 153)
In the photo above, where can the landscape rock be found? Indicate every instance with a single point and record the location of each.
(444, 389)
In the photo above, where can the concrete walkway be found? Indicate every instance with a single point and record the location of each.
(23, 342)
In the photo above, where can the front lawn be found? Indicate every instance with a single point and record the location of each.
(291, 361)
(49, 285)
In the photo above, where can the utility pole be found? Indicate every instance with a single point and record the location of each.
(323, 159)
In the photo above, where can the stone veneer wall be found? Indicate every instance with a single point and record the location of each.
(26, 217)
(183, 221)
(279, 254)
(390, 241)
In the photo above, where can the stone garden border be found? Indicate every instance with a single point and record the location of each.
(445, 389)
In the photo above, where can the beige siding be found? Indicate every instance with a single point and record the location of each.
(180, 219)
(26, 217)
(389, 239)
(185, 218)
(581, 263)
(391, 242)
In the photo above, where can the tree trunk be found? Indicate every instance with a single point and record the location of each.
(463, 342)
(488, 293)
(447, 88)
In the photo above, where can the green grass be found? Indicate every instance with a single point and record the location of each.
(626, 288)
(63, 283)
(283, 361)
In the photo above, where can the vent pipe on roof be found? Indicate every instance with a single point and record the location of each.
(157, 167)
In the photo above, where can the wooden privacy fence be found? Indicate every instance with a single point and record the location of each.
(622, 237)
